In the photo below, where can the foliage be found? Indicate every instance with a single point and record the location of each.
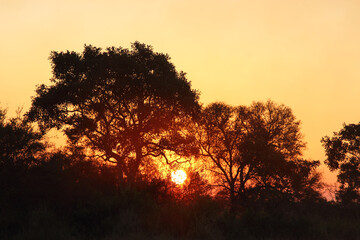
(255, 151)
(21, 148)
(218, 138)
(124, 104)
(19, 142)
(70, 196)
(64, 198)
(343, 154)
(130, 107)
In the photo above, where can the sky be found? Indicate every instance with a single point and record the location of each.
(304, 54)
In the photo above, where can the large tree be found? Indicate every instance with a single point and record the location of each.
(343, 154)
(256, 149)
(122, 103)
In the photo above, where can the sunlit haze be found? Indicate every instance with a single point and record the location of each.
(305, 54)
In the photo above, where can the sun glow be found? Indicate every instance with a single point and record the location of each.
(178, 176)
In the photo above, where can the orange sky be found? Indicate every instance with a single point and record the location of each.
(305, 54)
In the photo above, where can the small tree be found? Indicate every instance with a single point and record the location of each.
(21, 148)
(343, 154)
(19, 142)
(124, 104)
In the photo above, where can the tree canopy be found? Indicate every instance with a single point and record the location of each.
(131, 108)
(343, 154)
(255, 150)
(19, 142)
(123, 103)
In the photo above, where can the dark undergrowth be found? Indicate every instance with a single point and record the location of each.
(83, 201)
(115, 218)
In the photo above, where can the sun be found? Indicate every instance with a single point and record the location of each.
(178, 176)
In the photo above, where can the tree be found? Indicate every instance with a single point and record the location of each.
(21, 148)
(273, 146)
(218, 138)
(254, 149)
(19, 143)
(123, 104)
(343, 154)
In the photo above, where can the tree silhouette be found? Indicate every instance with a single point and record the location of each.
(218, 138)
(273, 146)
(256, 149)
(122, 103)
(343, 154)
(21, 148)
(19, 143)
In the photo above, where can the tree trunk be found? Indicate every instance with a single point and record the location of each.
(120, 174)
(232, 198)
(134, 165)
(242, 193)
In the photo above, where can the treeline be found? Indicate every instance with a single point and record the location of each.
(125, 113)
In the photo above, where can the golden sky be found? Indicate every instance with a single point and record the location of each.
(305, 54)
